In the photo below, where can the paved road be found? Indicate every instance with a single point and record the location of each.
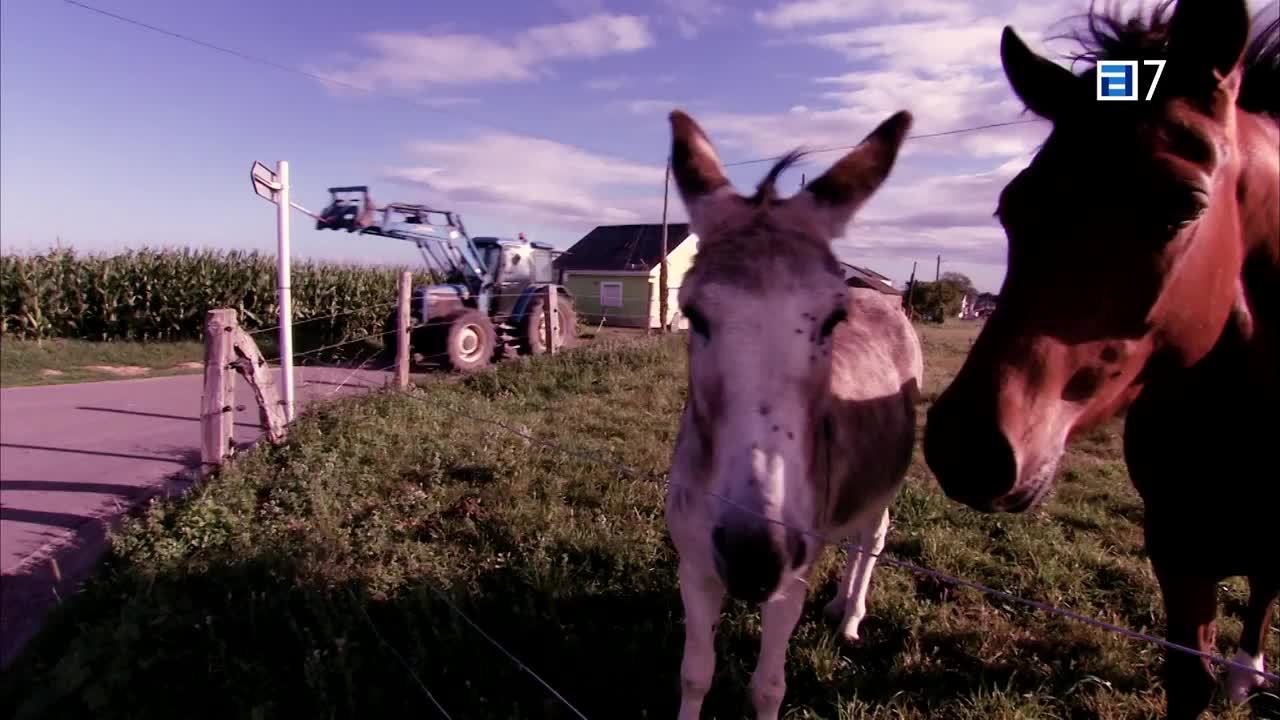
(74, 458)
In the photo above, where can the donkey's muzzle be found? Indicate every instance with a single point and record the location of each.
(748, 560)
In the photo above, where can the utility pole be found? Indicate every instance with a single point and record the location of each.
(662, 268)
(937, 275)
(911, 292)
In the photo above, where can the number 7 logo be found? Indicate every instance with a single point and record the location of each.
(1151, 91)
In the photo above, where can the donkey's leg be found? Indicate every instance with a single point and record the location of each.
(1191, 604)
(778, 619)
(703, 596)
(1257, 618)
(835, 609)
(853, 591)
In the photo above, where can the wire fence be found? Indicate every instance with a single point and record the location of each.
(849, 547)
(883, 556)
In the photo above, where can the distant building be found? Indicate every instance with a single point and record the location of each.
(976, 307)
(613, 273)
(857, 276)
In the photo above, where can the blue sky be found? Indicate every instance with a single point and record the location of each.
(547, 117)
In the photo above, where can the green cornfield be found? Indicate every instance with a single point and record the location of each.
(163, 294)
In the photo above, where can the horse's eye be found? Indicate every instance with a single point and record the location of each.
(697, 322)
(832, 321)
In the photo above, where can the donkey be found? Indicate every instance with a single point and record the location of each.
(800, 420)
(1159, 290)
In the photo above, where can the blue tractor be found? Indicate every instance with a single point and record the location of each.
(490, 304)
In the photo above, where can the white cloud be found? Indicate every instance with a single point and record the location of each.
(691, 16)
(937, 58)
(807, 13)
(406, 61)
(535, 180)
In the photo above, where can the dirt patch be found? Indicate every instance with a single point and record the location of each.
(49, 372)
(193, 365)
(120, 370)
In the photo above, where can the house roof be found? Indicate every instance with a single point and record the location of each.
(866, 277)
(622, 247)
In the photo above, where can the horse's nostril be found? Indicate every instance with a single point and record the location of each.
(970, 456)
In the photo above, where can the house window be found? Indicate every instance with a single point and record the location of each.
(611, 294)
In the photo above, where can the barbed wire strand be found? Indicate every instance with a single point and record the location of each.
(404, 663)
(510, 656)
(887, 559)
(352, 374)
(418, 326)
(296, 323)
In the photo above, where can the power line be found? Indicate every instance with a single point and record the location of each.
(835, 148)
(419, 104)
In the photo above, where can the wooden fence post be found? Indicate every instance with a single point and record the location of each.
(402, 331)
(217, 406)
(250, 364)
(550, 308)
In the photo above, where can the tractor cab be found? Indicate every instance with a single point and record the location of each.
(513, 266)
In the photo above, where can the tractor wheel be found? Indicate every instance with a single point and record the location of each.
(469, 342)
(565, 323)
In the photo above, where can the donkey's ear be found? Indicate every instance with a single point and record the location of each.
(1206, 40)
(699, 175)
(1045, 87)
(841, 190)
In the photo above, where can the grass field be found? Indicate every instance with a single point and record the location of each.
(302, 582)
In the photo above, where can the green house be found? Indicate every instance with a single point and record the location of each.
(613, 273)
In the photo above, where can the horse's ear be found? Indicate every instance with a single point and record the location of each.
(699, 175)
(1042, 85)
(840, 191)
(1206, 40)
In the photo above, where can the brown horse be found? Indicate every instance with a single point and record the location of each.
(1144, 271)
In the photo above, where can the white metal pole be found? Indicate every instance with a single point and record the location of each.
(283, 262)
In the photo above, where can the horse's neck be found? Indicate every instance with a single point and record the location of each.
(1251, 340)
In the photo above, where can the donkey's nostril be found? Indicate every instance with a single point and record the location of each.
(747, 561)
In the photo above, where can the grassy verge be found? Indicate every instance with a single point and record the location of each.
(59, 361)
(48, 362)
(292, 585)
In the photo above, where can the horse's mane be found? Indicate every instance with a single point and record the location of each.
(1260, 87)
(1108, 34)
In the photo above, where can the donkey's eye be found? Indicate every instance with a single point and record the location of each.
(832, 321)
(696, 321)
